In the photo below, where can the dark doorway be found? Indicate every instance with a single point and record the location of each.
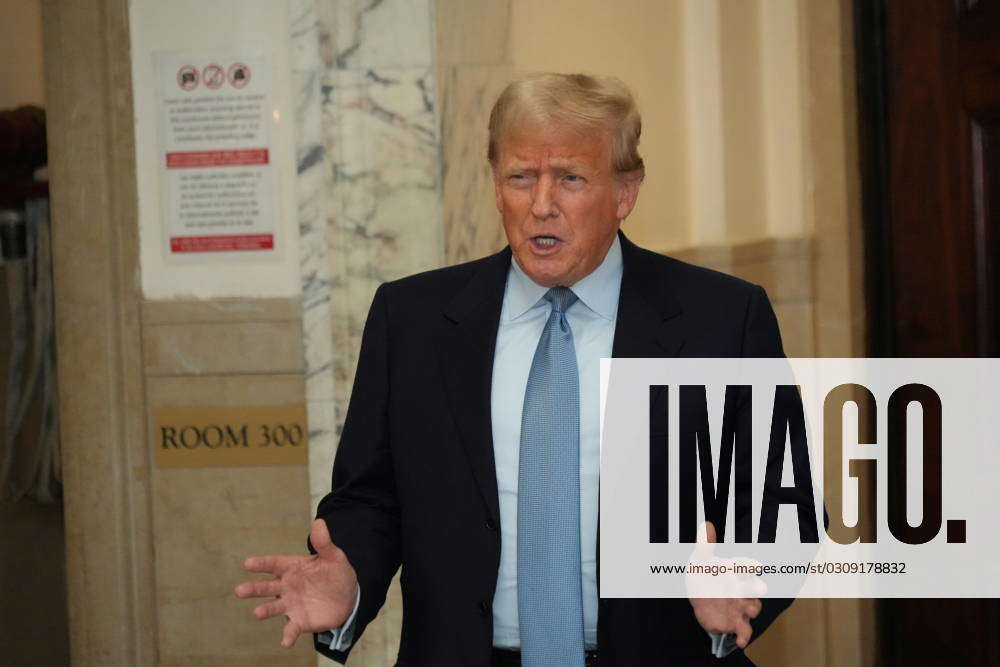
(929, 89)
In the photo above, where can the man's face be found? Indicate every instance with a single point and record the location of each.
(560, 201)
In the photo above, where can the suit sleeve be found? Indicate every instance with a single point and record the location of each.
(761, 338)
(362, 511)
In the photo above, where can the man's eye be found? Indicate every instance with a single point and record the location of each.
(573, 178)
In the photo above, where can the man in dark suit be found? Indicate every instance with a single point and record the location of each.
(467, 373)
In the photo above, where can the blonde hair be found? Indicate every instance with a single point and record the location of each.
(582, 101)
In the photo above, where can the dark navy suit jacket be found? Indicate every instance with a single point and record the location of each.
(414, 481)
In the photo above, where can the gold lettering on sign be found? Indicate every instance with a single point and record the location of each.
(230, 436)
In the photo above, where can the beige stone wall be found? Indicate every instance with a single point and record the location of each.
(152, 554)
(21, 80)
(221, 353)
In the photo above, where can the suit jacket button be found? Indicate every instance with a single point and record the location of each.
(490, 525)
(484, 608)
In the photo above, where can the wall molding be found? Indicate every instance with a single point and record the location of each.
(109, 553)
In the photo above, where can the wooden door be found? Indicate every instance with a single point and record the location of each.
(929, 73)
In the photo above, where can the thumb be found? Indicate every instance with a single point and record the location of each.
(319, 536)
(706, 541)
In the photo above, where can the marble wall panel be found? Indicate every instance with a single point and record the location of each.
(382, 171)
(222, 347)
(222, 336)
(312, 165)
(369, 202)
(228, 310)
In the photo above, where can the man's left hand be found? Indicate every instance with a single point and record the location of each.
(725, 615)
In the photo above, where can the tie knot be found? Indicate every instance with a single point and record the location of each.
(561, 298)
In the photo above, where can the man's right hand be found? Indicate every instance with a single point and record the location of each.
(315, 593)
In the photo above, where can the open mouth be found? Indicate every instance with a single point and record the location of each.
(543, 242)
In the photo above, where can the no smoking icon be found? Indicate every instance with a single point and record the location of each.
(213, 76)
(187, 77)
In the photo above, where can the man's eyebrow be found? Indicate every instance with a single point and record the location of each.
(568, 163)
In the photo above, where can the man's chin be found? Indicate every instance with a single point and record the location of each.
(549, 271)
(544, 276)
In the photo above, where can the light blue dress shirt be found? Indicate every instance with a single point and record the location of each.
(522, 317)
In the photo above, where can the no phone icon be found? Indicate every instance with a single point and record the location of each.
(213, 76)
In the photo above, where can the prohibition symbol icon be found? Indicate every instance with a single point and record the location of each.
(213, 76)
(187, 77)
(239, 75)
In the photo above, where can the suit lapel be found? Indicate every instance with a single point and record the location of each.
(649, 325)
(465, 352)
(649, 315)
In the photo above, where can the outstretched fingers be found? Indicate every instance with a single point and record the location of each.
(269, 609)
(261, 588)
(704, 548)
(289, 634)
(276, 565)
(743, 632)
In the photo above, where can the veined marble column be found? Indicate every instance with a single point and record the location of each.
(369, 161)
(312, 163)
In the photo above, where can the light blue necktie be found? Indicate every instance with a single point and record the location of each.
(549, 588)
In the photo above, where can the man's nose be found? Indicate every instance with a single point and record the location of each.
(543, 205)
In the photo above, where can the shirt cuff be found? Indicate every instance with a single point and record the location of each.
(340, 639)
(722, 644)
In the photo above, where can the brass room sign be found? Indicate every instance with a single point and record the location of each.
(230, 436)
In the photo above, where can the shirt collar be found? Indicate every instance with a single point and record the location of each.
(598, 290)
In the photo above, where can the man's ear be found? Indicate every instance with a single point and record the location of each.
(627, 191)
(495, 171)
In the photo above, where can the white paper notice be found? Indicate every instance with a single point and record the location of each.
(217, 177)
